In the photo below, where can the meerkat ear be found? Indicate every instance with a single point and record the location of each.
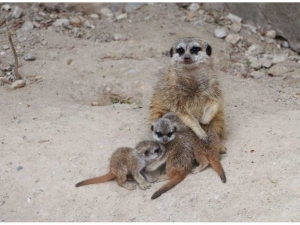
(208, 50)
(152, 127)
(171, 52)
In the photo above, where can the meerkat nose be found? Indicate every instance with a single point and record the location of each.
(187, 58)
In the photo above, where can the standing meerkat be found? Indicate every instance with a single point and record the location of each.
(126, 161)
(190, 88)
(182, 146)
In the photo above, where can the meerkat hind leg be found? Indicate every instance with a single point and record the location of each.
(122, 182)
(203, 163)
(162, 177)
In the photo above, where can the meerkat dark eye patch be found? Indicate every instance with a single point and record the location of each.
(171, 52)
(170, 134)
(159, 134)
(195, 50)
(180, 51)
(208, 50)
(146, 153)
(156, 150)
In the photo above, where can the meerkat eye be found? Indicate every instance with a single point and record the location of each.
(156, 150)
(170, 134)
(180, 51)
(146, 153)
(159, 134)
(195, 50)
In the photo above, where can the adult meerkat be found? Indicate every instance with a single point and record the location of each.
(127, 161)
(190, 88)
(182, 146)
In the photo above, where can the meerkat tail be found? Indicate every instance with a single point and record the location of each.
(101, 179)
(218, 168)
(173, 182)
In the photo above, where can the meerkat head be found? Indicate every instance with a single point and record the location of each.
(163, 130)
(188, 52)
(149, 150)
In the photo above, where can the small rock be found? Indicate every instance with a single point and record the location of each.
(220, 32)
(257, 74)
(267, 63)
(119, 37)
(16, 12)
(255, 50)
(194, 7)
(250, 27)
(60, 22)
(36, 24)
(234, 18)
(69, 61)
(236, 27)
(95, 104)
(122, 16)
(254, 63)
(280, 58)
(280, 69)
(271, 34)
(94, 16)
(28, 200)
(5, 47)
(87, 24)
(18, 84)
(76, 21)
(29, 57)
(233, 39)
(44, 42)
(201, 12)
(106, 12)
(130, 7)
(284, 44)
(147, 18)
(53, 16)
(2, 74)
(6, 7)
(27, 25)
(270, 40)
(199, 23)
(19, 168)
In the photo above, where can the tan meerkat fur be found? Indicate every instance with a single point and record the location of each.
(182, 146)
(127, 161)
(190, 88)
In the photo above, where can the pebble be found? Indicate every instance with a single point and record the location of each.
(255, 50)
(271, 34)
(122, 16)
(18, 84)
(194, 7)
(267, 63)
(106, 12)
(254, 63)
(279, 69)
(280, 58)
(76, 21)
(220, 32)
(95, 104)
(147, 18)
(87, 24)
(250, 27)
(257, 74)
(236, 27)
(36, 24)
(130, 7)
(60, 22)
(284, 44)
(6, 7)
(94, 16)
(5, 47)
(19, 168)
(17, 12)
(201, 12)
(199, 23)
(29, 57)
(119, 37)
(234, 18)
(233, 39)
(27, 25)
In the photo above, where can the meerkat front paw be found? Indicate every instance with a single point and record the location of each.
(145, 185)
(150, 168)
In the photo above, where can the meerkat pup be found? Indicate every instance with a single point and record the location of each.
(182, 146)
(126, 161)
(190, 88)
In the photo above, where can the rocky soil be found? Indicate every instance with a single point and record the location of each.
(87, 80)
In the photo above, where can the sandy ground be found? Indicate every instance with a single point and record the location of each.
(50, 129)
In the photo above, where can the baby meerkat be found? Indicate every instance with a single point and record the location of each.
(190, 88)
(126, 161)
(182, 146)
